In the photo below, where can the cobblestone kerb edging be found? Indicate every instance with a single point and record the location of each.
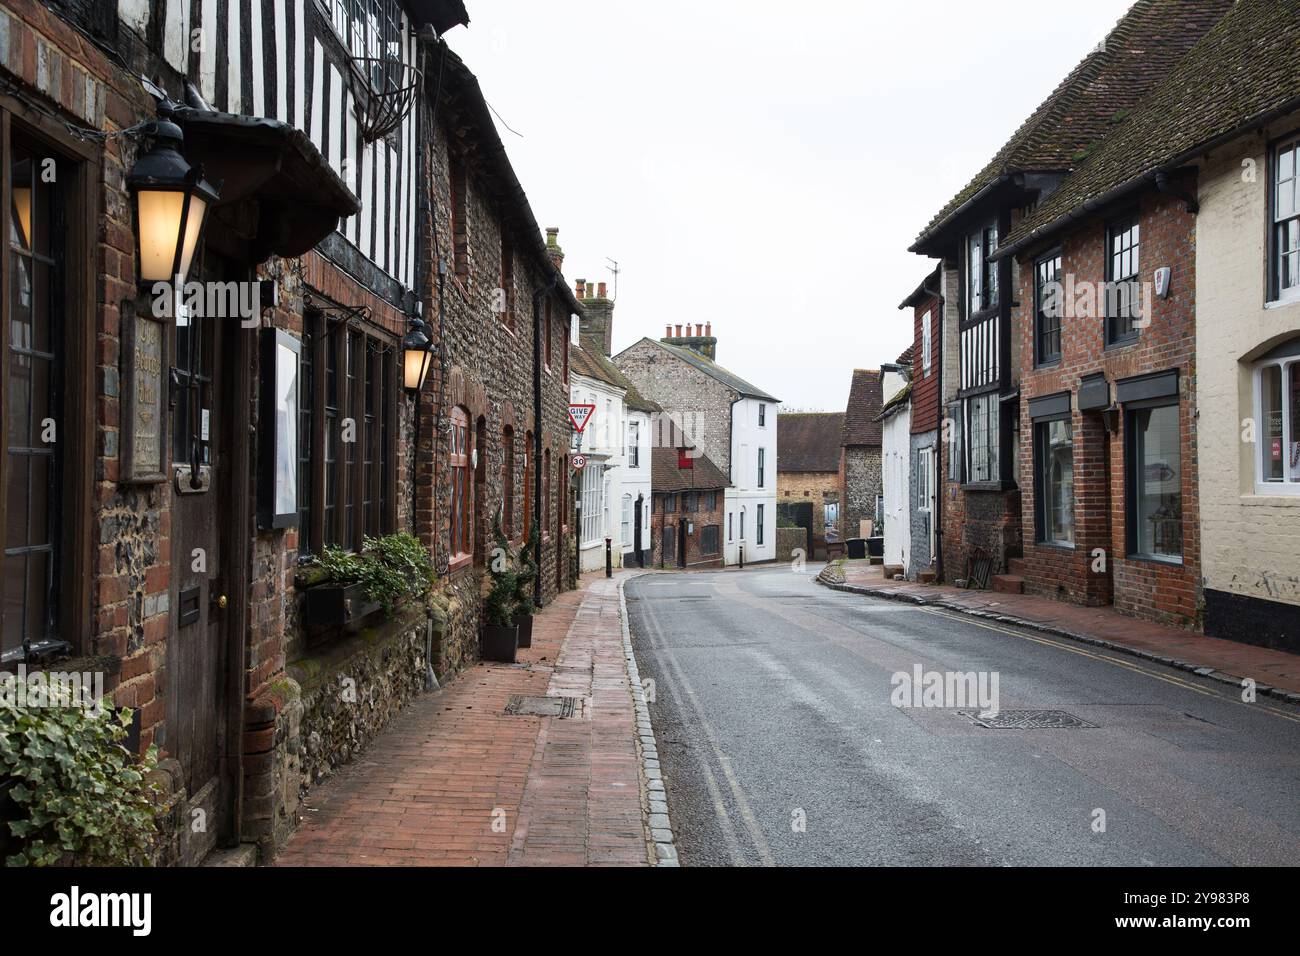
(654, 798)
(892, 594)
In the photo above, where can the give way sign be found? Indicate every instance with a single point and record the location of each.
(580, 415)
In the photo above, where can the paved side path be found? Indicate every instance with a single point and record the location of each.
(1276, 672)
(455, 781)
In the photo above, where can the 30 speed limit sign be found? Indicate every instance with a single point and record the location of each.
(578, 462)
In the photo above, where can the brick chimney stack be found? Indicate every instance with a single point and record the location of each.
(698, 337)
(597, 314)
(553, 246)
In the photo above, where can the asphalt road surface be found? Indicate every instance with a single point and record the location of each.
(780, 745)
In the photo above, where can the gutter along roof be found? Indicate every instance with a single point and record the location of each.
(1242, 74)
(1136, 55)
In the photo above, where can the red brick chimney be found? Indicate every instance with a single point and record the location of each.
(698, 338)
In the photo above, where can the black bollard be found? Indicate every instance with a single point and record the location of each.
(609, 558)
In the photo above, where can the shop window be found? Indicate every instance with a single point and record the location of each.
(1054, 481)
(1153, 492)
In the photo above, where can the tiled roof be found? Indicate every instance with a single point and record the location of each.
(729, 379)
(589, 360)
(1136, 55)
(906, 357)
(1246, 68)
(665, 476)
(860, 425)
(808, 441)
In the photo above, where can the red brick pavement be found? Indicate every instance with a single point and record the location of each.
(1275, 668)
(564, 791)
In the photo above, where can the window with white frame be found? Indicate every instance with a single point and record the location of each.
(1277, 417)
(761, 456)
(762, 415)
(626, 537)
(1286, 221)
(925, 344)
(924, 478)
(593, 505)
(634, 444)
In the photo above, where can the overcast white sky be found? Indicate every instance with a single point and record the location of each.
(764, 165)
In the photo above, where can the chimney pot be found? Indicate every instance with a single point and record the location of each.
(708, 329)
(679, 331)
(699, 329)
(668, 331)
(581, 285)
(600, 291)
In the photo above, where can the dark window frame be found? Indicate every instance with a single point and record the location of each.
(349, 487)
(1041, 436)
(1131, 463)
(460, 510)
(1130, 222)
(1047, 328)
(80, 186)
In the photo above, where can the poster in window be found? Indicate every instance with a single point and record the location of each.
(277, 485)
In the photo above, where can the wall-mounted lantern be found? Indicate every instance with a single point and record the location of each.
(417, 350)
(171, 200)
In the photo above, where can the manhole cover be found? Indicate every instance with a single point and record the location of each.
(1026, 720)
(542, 706)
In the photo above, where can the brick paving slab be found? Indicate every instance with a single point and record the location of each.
(1233, 660)
(425, 791)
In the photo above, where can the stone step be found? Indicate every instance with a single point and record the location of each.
(927, 577)
(1016, 566)
(1008, 584)
(244, 855)
(875, 560)
(891, 570)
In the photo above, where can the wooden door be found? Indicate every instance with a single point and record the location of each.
(201, 487)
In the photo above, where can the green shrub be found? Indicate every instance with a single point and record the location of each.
(389, 569)
(81, 798)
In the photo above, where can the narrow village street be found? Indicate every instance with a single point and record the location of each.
(780, 745)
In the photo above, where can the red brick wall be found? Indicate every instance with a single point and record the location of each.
(702, 518)
(1148, 589)
(925, 388)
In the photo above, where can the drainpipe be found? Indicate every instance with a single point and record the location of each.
(536, 452)
(937, 557)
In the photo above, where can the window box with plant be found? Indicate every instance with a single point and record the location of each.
(343, 588)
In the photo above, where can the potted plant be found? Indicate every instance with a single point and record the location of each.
(500, 636)
(525, 585)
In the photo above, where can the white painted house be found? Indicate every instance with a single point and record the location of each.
(604, 443)
(896, 457)
(751, 499)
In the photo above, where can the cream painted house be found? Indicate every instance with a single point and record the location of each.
(1248, 378)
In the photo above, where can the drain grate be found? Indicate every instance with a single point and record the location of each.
(1027, 720)
(542, 706)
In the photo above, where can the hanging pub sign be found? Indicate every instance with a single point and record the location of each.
(277, 486)
(144, 396)
(580, 415)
